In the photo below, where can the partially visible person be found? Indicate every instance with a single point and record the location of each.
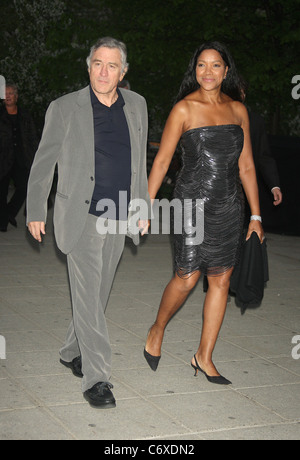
(212, 126)
(124, 84)
(18, 144)
(264, 162)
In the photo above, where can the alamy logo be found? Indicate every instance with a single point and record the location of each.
(2, 347)
(296, 89)
(170, 217)
(2, 87)
(296, 349)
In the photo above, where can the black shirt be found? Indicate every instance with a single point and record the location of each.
(112, 158)
(17, 140)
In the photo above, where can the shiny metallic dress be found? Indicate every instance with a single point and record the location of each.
(210, 192)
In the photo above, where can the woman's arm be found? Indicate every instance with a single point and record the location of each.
(248, 176)
(170, 138)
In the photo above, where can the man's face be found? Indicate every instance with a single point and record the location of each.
(105, 70)
(11, 97)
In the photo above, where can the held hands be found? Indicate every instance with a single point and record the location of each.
(37, 229)
(144, 226)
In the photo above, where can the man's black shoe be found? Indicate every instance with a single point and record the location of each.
(100, 396)
(75, 366)
(3, 229)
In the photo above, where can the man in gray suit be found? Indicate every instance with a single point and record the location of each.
(97, 137)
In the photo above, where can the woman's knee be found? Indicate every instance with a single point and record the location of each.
(187, 282)
(221, 282)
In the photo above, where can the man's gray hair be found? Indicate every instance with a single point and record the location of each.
(109, 42)
(11, 84)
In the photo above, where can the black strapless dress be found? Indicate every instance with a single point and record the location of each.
(209, 188)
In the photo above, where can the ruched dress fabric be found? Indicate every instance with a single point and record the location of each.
(209, 189)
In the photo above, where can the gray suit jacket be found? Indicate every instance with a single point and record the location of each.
(68, 141)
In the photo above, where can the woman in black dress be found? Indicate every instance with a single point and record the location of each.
(213, 129)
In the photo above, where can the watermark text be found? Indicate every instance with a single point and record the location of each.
(296, 89)
(2, 347)
(178, 217)
(2, 87)
(296, 349)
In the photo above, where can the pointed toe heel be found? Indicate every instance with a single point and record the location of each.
(153, 361)
(218, 380)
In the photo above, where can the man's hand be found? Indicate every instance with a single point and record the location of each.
(144, 226)
(277, 196)
(37, 229)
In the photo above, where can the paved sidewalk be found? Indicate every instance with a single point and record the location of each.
(40, 399)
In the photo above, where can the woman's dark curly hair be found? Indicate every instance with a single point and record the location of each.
(232, 85)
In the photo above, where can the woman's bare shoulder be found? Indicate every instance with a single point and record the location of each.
(239, 108)
(180, 110)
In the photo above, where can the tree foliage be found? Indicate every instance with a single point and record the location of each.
(262, 35)
(25, 45)
(45, 43)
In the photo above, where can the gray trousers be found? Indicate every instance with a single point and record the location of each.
(92, 266)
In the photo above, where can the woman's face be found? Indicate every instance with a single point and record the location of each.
(210, 70)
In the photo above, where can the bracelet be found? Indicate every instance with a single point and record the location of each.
(256, 218)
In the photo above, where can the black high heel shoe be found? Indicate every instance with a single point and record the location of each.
(219, 380)
(153, 361)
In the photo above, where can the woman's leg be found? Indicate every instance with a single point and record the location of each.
(174, 296)
(213, 315)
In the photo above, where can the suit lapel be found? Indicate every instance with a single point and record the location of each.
(133, 126)
(85, 123)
